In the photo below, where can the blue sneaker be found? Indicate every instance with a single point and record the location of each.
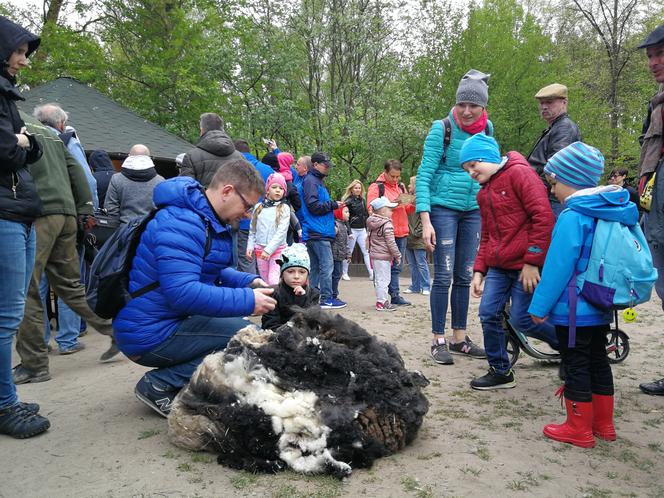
(333, 304)
(160, 401)
(399, 301)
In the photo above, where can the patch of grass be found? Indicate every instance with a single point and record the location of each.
(201, 458)
(184, 467)
(612, 475)
(169, 454)
(512, 424)
(654, 422)
(429, 456)
(450, 412)
(656, 447)
(243, 480)
(594, 492)
(483, 453)
(524, 483)
(413, 485)
(148, 433)
(471, 470)
(285, 491)
(467, 435)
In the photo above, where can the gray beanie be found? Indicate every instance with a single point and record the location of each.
(473, 88)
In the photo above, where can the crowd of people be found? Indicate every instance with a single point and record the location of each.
(234, 236)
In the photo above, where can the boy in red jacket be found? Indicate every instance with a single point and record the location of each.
(517, 222)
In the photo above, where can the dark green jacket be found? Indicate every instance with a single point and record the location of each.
(60, 179)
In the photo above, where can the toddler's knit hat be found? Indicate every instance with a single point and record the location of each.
(473, 88)
(339, 212)
(277, 178)
(295, 255)
(480, 147)
(578, 166)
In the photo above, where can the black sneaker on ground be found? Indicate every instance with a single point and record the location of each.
(655, 388)
(19, 422)
(467, 348)
(160, 401)
(22, 375)
(494, 380)
(399, 301)
(441, 355)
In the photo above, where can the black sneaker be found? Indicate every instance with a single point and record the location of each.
(441, 355)
(160, 401)
(17, 421)
(399, 301)
(467, 348)
(494, 380)
(655, 388)
(22, 375)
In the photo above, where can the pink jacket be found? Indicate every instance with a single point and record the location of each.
(382, 245)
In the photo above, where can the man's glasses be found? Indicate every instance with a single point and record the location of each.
(247, 206)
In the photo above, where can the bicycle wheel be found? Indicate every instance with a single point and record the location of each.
(513, 348)
(617, 348)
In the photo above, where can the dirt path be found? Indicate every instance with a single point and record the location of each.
(104, 442)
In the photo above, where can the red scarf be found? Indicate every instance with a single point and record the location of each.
(474, 128)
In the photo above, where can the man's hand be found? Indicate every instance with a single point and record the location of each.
(529, 278)
(538, 320)
(86, 222)
(258, 283)
(249, 254)
(476, 284)
(23, 141)
(298, 290)
(263, 301)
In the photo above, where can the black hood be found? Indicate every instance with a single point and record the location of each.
(12, 36)
(100, 161)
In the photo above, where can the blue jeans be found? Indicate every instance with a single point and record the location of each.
(18, 257)
(419, 270)
(393, 288)
(69, 323)
(658, 262)
(336, 276)
(177, 357)
(322, 265)
(457, 241)
(499, 286)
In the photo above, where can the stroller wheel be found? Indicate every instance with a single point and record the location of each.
(617, 347)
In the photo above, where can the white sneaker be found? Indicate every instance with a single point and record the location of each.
(426, 292)
(408, 291)
(345, 276)
(371, 276)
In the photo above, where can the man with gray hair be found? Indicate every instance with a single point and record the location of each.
(129, 192)
(53, 116)
(213, 149)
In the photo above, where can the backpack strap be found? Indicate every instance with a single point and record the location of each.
(381, 189)
(447, 136)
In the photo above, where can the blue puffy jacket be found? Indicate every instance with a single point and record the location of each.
(172, 252)
(317, 212)
(445, 183)
(572, 232)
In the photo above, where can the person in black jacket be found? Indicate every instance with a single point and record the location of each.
(103, 170)
(293, 289)
(357, 208)
(561, 132)
(19, 207)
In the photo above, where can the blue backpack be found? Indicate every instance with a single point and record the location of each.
(620, 272)
(107, 291)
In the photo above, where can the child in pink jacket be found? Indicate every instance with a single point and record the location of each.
(383, 249)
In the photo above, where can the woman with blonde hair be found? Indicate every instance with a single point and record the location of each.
(357, 207)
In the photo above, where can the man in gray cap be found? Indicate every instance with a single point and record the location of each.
(650, 163)
(561, 132)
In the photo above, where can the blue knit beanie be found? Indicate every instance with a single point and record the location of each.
(578, 166)
(480, 147)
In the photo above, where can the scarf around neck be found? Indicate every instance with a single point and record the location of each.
(473, 128)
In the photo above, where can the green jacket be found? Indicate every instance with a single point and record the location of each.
(60, 179)
(415, 240)
(445, 183)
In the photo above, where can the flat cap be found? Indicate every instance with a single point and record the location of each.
(654, 38)
(555, 91)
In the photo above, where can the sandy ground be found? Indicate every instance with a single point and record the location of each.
(104, 442)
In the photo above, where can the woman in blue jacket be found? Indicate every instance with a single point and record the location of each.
(446, 201)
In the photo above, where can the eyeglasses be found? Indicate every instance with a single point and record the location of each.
(615, 175)
(247, 206)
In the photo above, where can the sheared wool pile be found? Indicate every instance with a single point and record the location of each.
(318, 395)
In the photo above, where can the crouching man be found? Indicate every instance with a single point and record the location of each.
(198, 300)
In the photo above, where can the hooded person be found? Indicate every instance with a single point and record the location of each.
(19, 207)
(103, 171)
(129, 192)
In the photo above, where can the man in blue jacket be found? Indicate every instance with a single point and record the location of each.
(200, 299)
(317, 220)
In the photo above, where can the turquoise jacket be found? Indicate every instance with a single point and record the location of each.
(445, 183)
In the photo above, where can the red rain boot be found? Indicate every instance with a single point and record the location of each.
(603, 417)
(577, 429)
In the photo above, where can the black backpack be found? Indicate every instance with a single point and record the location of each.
(108, 287)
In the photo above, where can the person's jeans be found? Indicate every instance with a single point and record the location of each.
(457, 241)
(658, 262)
(419, 270)
(322, 265)
(18, 257)
(336, 276)
(69, 323)
(393, 288)
(360, 238)
(176, 359)
(499, 286)
(240, 239)
(586, 365)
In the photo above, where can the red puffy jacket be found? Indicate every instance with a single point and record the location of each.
(517, 220)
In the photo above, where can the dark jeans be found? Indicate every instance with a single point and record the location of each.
(499, 286)
(243, 264)
(586, 365)
(393, 288)
(457, 241)
(322, 265)
(177, 357)
(336, 276)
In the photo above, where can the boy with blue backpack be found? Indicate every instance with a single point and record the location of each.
(581, 285)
